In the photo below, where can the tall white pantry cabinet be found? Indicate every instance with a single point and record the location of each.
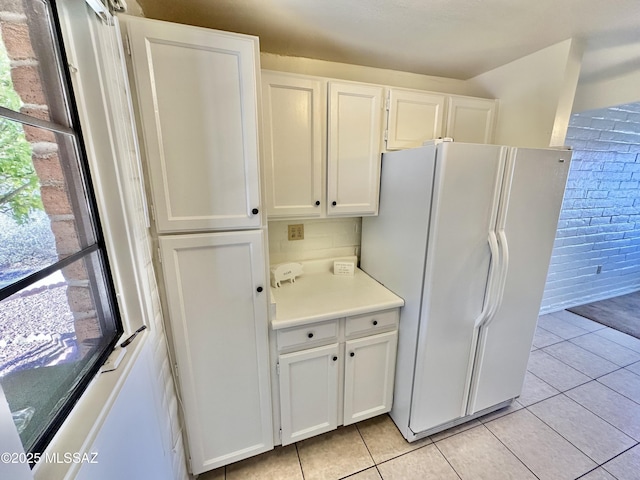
(197, 96)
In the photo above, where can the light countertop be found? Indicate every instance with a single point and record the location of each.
(321, 295)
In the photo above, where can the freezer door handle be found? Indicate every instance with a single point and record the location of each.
(489, 293)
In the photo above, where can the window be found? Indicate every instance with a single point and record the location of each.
(58, 316)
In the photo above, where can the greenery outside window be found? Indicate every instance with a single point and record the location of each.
(58, 316)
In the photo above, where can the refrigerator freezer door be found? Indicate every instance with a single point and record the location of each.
(465, 203)
(394, 251)
(536, 181)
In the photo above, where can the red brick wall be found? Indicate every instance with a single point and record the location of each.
(27, 82)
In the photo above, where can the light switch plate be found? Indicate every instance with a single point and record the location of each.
(296, 232)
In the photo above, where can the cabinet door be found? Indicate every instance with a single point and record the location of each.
(197, 96)
(471, 120)
(293, 118)
(368, 376)
(354, 133)
(219, 324)
(414, 117)
(309, 392)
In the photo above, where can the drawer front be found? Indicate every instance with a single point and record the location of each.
(371, 323)
(307, 335)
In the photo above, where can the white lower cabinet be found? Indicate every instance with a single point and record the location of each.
(368, 376)
(345, 381)
(309, 392)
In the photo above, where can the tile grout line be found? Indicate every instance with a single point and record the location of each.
(551, 333)
(620, 367)
(624, 367)
(299, 461)
(598, 355)
(575, 446)
(445, 457)
(571, 367)
(570, 340)
(618, 343)
(593, 470)
(562, 392)
(602, 325)
(595, 413)
(619, 393)
(540, 401)
(368, 451)
(546, 383)
(584, 373)
(505, 446)
(621, 453)
(401, 454)
(586, 332)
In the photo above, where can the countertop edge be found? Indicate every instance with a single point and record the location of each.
(331, 315)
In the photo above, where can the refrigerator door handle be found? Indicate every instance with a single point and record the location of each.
(503, 245)
(487, 306)
(502, 276)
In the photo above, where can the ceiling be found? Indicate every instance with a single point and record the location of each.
(449, 38)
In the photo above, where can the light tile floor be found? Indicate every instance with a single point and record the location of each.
(578, 417)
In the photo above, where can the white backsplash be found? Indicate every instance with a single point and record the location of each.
(322, 239)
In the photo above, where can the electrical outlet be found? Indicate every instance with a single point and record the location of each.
(296, 232)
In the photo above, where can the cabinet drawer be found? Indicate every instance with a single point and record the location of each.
(305, 335)
(371, 323)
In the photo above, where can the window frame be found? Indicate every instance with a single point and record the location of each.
(85, 189)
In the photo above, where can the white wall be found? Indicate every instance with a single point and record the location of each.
(133, 8)
(322, 239)
(359, 73)
(131, 439)
(614, 82)
(608, 91)
(536, 95)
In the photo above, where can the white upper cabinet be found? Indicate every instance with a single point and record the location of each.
(354, 145)
(471, 120)
(294, 118)
(197, 96)
(413, 118)
(313, 158)
(323, 139)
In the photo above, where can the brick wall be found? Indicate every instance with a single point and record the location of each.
(27, 78)
(597, 249)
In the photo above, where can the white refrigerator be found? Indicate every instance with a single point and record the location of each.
(464, 235)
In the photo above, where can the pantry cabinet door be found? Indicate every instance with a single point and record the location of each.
(354, 148)
(294, 116)
(197, 96)
(413, 118)
(217, 304)
(471, 120)
(309, 392)
(368, 376)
